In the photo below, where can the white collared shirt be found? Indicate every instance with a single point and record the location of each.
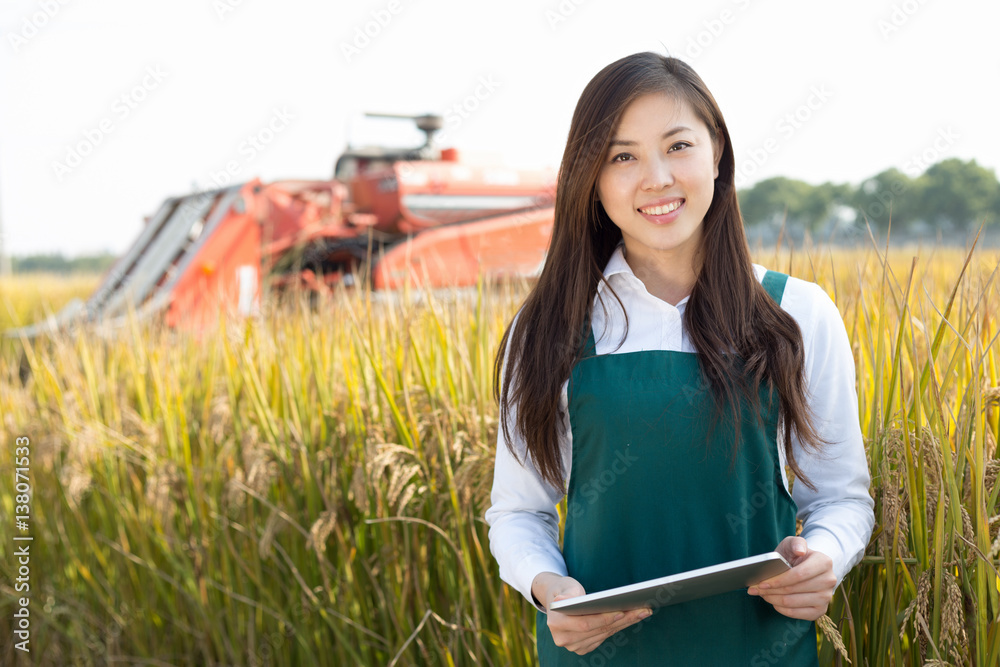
(837, 517)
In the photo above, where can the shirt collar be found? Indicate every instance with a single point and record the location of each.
(617, 266)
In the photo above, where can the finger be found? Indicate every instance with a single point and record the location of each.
(809, 568)
(607, 621)
(802, 613)
(584, 649)
(633, 617)
(581, 642)
(582, 627)
(582, 645)
(819, 584)
(823, 582)
(799, 600)
(577, 630)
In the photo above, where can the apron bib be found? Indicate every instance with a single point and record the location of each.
(654, 491)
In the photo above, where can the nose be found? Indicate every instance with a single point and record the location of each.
(657, 174)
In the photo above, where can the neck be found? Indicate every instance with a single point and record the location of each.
(668, 276)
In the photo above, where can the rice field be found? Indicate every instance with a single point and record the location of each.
(308, 488)
(30, 298)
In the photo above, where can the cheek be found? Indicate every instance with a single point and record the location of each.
(611, 189)
(704, 178)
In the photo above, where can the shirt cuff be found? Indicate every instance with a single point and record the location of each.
(530, 567)
(823, 541)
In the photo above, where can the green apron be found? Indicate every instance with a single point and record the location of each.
(651, 495)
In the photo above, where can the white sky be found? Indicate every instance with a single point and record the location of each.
(900, 75)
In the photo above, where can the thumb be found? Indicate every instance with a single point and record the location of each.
(797, 545)
(568, 588)
(792, 548)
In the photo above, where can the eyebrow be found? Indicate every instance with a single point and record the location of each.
(668, 133)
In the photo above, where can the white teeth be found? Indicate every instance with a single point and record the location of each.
(661, 210)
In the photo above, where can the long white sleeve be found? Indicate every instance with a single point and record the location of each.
(524, 525)
(838, 516)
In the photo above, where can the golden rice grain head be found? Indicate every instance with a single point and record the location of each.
(892, 441)
(894, 509)
(234, 497)
(830, 631)
(76, 480)
(263, 471)
(358, 489)
(991, 395)
(220, 418)
(164, 489)
(265, 547)
(990, 475)
(135, 428)
(320, 531)
(931, 508)
(88, 443)
(410, 491)
(952, 612)
(471, 476)
(930, 447)
(968, 532)
(400, 478)
(251, 439)
(919, 604)
(388, 455)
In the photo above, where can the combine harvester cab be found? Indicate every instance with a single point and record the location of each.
(449, 224)
(424, 218)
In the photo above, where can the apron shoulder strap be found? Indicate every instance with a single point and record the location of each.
(774, 283)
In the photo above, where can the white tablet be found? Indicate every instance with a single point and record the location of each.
(679, 587)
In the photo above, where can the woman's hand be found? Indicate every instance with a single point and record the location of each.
(805, 590)
(579, 634)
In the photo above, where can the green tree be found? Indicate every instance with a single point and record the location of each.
(769, 201)
(817, 206)
(59, 263)
(766, 202)
(959, 195)
(890, 192)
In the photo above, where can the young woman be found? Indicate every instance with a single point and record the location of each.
(663, 381)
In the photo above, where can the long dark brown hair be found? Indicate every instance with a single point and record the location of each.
(743, 338)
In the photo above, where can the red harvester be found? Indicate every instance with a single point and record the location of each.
(416, 215)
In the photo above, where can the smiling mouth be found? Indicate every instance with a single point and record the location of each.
(662, 210)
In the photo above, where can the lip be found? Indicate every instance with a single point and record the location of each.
(667, 217)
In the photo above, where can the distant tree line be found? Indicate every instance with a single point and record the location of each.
(951, 197)
(58, 263)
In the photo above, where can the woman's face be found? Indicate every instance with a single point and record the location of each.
(657, 180)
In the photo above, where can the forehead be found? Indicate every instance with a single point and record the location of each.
(655, 113)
